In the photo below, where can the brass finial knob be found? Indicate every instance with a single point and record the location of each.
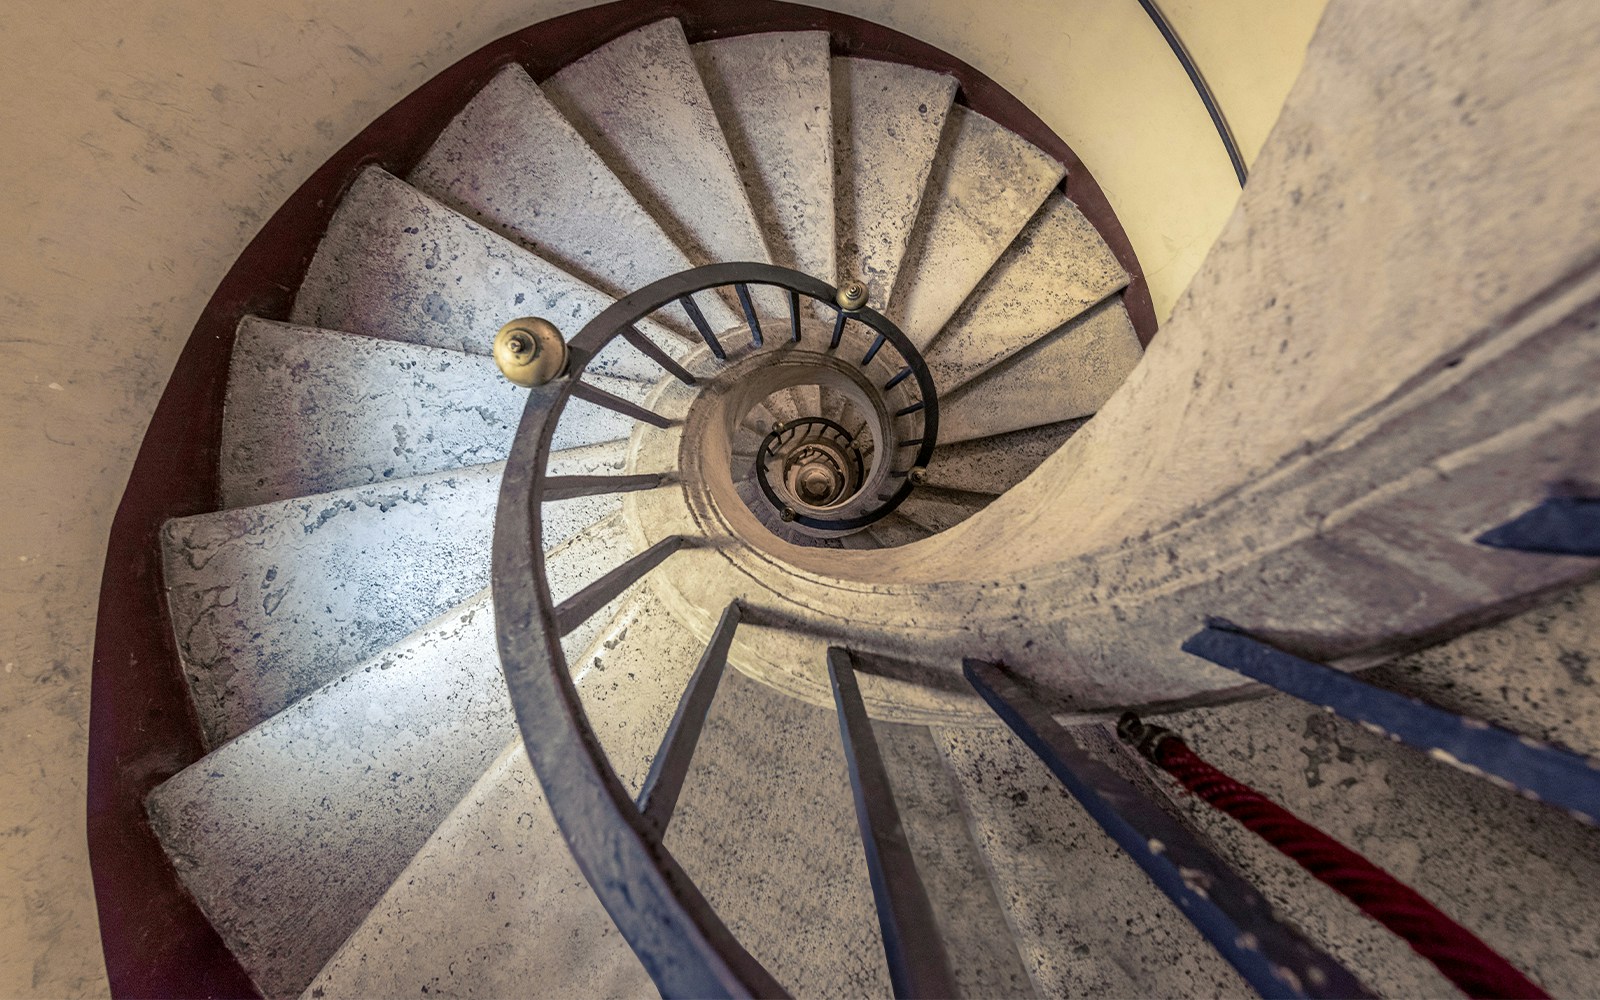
(530, 351)
(852, 295)
(918, 475)
(787, 514)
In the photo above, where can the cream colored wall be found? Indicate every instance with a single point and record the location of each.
(146, 143)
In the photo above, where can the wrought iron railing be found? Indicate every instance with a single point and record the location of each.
(618, 840)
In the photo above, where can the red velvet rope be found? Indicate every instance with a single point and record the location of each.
(1473, 966)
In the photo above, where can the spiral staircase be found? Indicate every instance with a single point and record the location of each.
(815, 307)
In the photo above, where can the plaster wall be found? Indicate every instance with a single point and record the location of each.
(146, 144)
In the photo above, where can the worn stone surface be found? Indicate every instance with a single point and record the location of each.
(1056, 268)
(492, 906)
(985, 185)
(397, 264)
(887, 119)
(978, 939)
(938, 509)
(896, 529)
(289, 834)
(511, 161)
(309, 411)
(640, 103)
(994, 465)
(1088, 921)
(1067, 376)
(776, 851)
(774, 100)
(270, 602)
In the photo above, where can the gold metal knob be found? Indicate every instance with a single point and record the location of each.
(530, 351)
(918, 475)
(852, 295)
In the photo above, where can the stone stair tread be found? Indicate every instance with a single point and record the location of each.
(784, 871)
(640, 103)
(311, 411)
(397, 264)
(1057, 268)
(887, 120)
(1069, 375)
(1047, 858)
(492, 903)
(939, 510)
(511, 161)
(894, 529)
(288, 835)
(995, 464)
(986, 184)
(773, 96)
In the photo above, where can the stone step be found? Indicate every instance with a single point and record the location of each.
(511, 161)
(775, 850)
(773, 97)
(640, 103)
(986, 184)
(887, 119)
(492, 903)
(1063, 377)
(995, 464)
(1087, 920)
(288, 835)
(895, 529)
(272, 601)
(310, 411)
(939, 510)
(1057, 268)
(399, 265)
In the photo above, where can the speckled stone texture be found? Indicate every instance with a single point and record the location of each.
(766, 827)
(270, 602)
(994, 465)
(511, 161)
(492, 906)
(896, 529)
(1057, 267)
(640, 103)
(938, 509)
(397, 264)
(774, 100)
(985, 185)
(978, 939)
(1088, 922)
(289, 834)
(309, 411)
(887, 119)
(1069, 375)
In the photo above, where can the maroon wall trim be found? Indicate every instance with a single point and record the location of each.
(141, 727)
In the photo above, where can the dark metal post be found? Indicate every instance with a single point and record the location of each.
(912, 942)
(698, 318)
(1566, 526)
(659, 796)
(794, 315)
(838, 329)
(1226, 909)
(653, 351)
(568, 487)
(743, 291)
(599, 397)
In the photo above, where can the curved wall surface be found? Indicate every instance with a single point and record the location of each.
(146, 146)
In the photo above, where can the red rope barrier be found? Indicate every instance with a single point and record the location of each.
(1477, 969)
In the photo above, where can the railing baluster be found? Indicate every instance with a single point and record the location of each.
(906, 411)
(600, 397)
(794, 315)
(1225, 908)
(578, 608)
(653, 351)
(1560, 777)
(698, 318)
(912, 942)
(838, 329)
(910, 443)
(743, 291)
(872, 352)
(1568, 526)
(569, 487)
(903, 374)
(659, 796)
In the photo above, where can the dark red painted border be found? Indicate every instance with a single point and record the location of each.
(141, 727)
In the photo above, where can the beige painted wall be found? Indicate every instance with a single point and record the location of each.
(146, 143)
